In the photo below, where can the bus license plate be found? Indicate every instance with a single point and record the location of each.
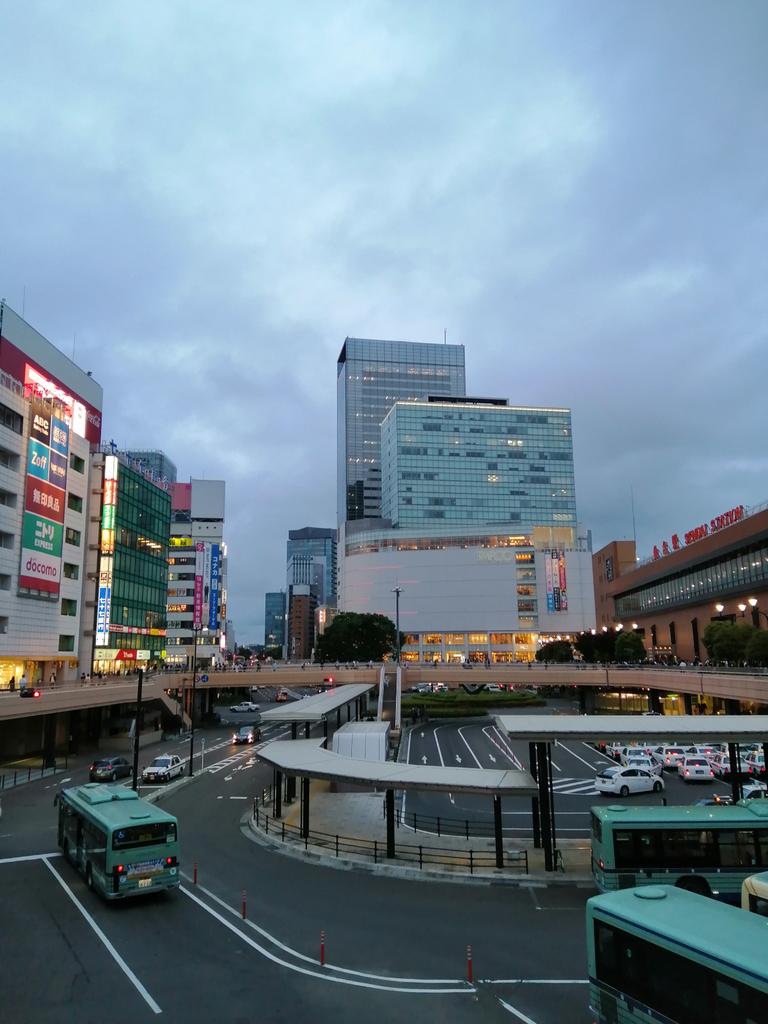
(144, 883)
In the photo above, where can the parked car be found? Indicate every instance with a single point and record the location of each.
(672, 756)
(721, 766)
(163, 769)
(615, 780)
(282, 696)
(247, 734)
(644, 761)
(245, 706)
(695, 769)
(749, 791)
(495, 688)
(756, 761)
(108, 769)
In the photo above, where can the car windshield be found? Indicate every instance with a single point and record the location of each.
(245, 731)
(161, 762)
(104, 763)
(697, 761)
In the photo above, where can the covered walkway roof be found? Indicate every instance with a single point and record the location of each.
(680, 728)
(314, 709)
(310, 759)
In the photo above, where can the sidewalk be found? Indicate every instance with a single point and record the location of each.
(361, 816)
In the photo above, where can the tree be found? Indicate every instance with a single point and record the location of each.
(558, 651)
(244, 652)
(757, 648)
(356, 636)
(727, 641)
(595, 647)
(629, 647)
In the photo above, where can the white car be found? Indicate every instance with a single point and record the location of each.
(244, 706)
(695, 769)
(756, 762)
(644, 761)
(672, 756)
(624, 781)
(721, 766)
(163, 769)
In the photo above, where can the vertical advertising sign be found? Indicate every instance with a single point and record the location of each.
(557, 592)
(197, 619)
(550, 583)
(106, 550)
(213, 612)
(206, 611)
(42, 532)
(563, 582)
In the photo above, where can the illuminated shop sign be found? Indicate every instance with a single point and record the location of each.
(84, 420)
(107, 548)
(720, 522)
(181, 542)
(42, 529)
(213, 611)
(197, 619)
(554, 571)
(104, 601)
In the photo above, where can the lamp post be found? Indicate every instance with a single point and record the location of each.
(719, 608)
(196, 631)
(397, 591)
(756, 612)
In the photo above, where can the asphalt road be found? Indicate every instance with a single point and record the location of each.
(478, 743)
(396, 949)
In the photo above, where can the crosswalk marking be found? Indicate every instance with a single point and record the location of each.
(574, 787)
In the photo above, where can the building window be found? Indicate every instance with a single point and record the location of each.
(75, 502)
(454, 638)
(72, 536)
(66, 642)
(11, 419)
(68, 606)
(6, 540)
(7, 498)
(433, 639)
(5, 581)
(504, 639)
(526, 606)
(10, 460)
(3, 623)
(71, 571)
(478, 638)
(76, 463)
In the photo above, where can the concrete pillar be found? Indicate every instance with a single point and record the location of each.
(277, 794)
(688, 703)
(390, 806)
(497, 831)
(305, 807)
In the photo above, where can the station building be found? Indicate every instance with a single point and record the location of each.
(716, 570)
(50, 413)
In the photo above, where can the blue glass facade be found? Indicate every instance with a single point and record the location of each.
(317, 542)
(477, 464)
(371, 376)
(274, 619)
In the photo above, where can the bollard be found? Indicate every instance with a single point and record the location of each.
(194, 874)
(242, 907)
(470, 973)
(322, 949)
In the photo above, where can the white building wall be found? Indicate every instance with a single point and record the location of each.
(33, 625)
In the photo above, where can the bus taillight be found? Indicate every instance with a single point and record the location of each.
(120, 869)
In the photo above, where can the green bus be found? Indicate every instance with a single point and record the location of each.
(123, 846)
(709, 850)
(660, 955)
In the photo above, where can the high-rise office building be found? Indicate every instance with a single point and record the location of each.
(274, 619)
(371, 376)
(477, 462)
(162, 468)
(50, 412)
(320, 544)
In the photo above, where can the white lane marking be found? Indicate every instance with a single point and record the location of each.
(578, 758)
(238, 798)
(594, 750)
(553, 764)
(31, 856)
(466, 744)
(503, 748)
(517, 1013)
(69, 779)
(320, 973)
(309, 960)
(107, 944)
(437, 744)
(537, 981)
(219, 797)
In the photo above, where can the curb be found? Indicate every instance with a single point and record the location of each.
(347, 863)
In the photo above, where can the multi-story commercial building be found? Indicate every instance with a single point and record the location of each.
(126, 586)
(197, 564)
(50, 410)
(318, 543)
(301, 623)
(274, 619)
(156, 461)
(480, 532)
(716, 570)
(370, 377)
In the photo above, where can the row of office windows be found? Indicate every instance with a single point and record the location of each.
(697, 586)
(459, 639)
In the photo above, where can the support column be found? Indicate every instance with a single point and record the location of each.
(534, 799)
(498, 835)
(277, 794)
(325, 730)
(305, 807)
(654, 700)
(734, 756)
(290, 785)
(338, 718)
(732, 706)
(688, 703)
(306, 730)
(390, 805)
(542, 755)
(349, 712)
(49, 741)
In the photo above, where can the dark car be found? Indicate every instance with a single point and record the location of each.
(109, 769)
(30, 691)
(247, 734)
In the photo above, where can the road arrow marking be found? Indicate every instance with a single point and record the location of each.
(423, 758)
(458, 759)
(492, 758)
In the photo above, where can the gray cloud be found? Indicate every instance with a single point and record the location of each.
(212, 199)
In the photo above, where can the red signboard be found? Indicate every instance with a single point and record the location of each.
(720, 522)
(44, 500)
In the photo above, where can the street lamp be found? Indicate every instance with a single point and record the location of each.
(719, 608)
(397, 591)
(756, 612)
(196, 630)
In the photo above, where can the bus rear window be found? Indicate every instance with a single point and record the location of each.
(597, 829)
(144, 835)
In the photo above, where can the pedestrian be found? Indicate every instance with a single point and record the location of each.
(23, 682)
(52, 680)
(12, 684)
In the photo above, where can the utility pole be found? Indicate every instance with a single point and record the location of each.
(137, 731)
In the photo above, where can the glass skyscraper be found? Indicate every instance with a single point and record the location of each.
(319, 543)
(274, 618)
(371, 376)
(477, 464)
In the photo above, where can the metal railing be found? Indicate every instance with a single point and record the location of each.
(10, 777)
(376, 850)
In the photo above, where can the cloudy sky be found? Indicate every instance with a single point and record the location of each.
(205, 199)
